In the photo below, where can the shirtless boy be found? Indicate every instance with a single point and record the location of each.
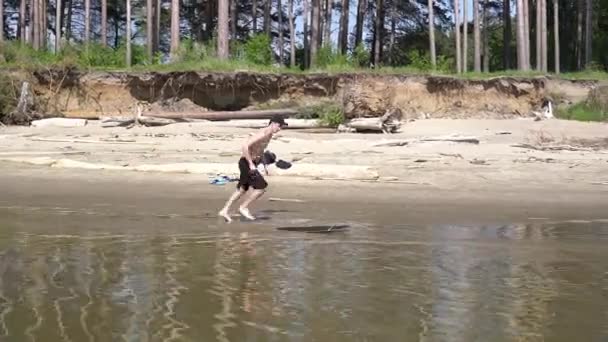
(252, 151)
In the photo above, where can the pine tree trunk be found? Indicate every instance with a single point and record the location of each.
(476, 37)
(544, 60)
(361, 10)
(328, 18)
(87, 20)
(32, 23)
(465, 38)
(128, 34)
(526, 35)
(457, 31)
(1, 22)
(57, 26)
(104, 22)
(579, 36)
(174, 29)
(292, 36)
(486, 38)
(556, 34)
(306, 34)
(315, 34)
(391, 44)
(150, 30)
(506, 61)
(223, 34)
(521, 48)
(588, 33)
(344, 15)
(267, 4)
(158, 7)
(234, 19)
(281, 42)
(254, 17)
(22, 14)
(43, 24)
(539, 49)
(378, 33)
(432, 33)
(68, 21)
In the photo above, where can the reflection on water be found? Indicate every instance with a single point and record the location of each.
(539, 281)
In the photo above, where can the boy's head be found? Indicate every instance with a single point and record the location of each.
(277, 122)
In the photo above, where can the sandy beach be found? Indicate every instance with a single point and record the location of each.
(408, 168)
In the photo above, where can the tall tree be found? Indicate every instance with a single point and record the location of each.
(379, 23)
(254, 17)
(43, 24)
(539, 49)
(543, 36)
(476, 37)
(128, 34)
(157, 18)
(150, 30)
(87, 20)
(315, 34)
(22, 31)
(306, 34)
(506, 38)
(457, 30)
(292, 36)
(32, 23)
(234, 18)
(267, 6)
(281, 42)
(68, 21)
(327, 27)
(343, 34)
(465, 39)
(223, 34)
(104, 22)
(588, 32)
(486, 38)
(361, 11)
(174, 29)
(521, 48)
(579, 36)
(391, 41)
(431, 33)
(57, 26)
(1, 22)
(556, 35)
(526, 35)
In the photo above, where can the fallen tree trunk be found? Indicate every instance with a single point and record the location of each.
(59, 122)
(292, 123)
(388, 123)
(228, 115)
(122, 121)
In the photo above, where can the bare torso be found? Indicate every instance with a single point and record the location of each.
(256, 150)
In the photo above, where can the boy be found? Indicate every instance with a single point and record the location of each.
(253, 151)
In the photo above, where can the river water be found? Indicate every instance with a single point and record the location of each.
(96, 274)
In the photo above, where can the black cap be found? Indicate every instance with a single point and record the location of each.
(278, 119)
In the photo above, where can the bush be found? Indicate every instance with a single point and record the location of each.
(257, 50)
(582, 112)
(422, 62)
(360, 56)
(328, 113)
(8, 96)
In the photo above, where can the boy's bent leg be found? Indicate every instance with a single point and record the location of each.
(225, 210)
(244, 208)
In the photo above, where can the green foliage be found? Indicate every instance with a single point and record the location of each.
(257, 50)
(360, 56)
(583, 112)
(328, 113)
(8, 95)
(422, 62)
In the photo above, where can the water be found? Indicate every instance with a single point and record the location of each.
(100, 274)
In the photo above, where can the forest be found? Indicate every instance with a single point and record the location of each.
(452, 37)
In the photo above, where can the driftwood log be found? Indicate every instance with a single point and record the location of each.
(228, 115)
(59, 122)
(123, 121)
(390, 122)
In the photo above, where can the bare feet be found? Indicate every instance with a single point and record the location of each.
(245, 212)
(225, 215)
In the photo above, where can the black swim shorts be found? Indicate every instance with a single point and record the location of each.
(250, 178)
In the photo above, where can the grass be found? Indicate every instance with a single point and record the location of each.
(198, 57)
(582, 112)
